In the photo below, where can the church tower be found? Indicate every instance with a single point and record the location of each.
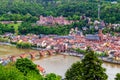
(100, 34)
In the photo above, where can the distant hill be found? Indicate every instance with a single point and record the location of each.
(71, 9)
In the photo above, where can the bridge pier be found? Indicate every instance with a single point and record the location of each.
(23, 55)
(33, 55)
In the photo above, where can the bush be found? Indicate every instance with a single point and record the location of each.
(4, 39)
(13, 43)
(25, 66)
(78, 50)
(52, 76)
(32, 75)
(23, 45)
(10, 73)
(103, 54)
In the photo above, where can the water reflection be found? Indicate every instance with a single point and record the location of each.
(59, 64)
(112, 65)
(111, 70)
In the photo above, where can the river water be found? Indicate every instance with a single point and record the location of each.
(57, 64)
(12, 50)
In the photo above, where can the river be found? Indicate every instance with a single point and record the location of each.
(6, 50)
(57, 64)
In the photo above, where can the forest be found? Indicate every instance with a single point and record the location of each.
(17, 9)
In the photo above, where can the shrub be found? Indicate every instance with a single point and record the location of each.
(25, 66)
(23, 45)
(10, 73)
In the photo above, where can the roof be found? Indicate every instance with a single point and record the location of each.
(64, 37)
(92, 37)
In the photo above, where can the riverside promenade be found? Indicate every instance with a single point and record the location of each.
(104, 59)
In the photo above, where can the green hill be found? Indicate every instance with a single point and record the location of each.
(68, 8)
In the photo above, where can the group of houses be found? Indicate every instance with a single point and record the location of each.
(50, 44)
(98, 42)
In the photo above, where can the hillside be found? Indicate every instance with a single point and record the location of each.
(67, 8)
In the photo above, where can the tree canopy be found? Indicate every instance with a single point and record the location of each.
(117, 76)
(67, 8)
(90, 68)
(25, 66)
(10, 73)
(74, 72)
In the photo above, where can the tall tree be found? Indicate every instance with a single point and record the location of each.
(90, 68)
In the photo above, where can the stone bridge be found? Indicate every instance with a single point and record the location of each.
(34, 55)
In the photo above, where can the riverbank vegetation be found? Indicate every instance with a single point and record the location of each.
(81, 51)
(24, 45)
(4, 39)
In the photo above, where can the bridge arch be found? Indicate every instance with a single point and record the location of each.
(23, 55)
(51, 52)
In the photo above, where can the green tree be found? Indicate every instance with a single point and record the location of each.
(32, 75)
(24, 69)
(10, 73)
(23, 45)
(117, 76)
(25, 66)
(52, 76)
(74, 72)
(90, 68)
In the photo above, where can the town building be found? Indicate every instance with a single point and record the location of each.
(50, 20)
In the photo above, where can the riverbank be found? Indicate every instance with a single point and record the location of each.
(5, 43)
(104, 59)
(110, 61)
